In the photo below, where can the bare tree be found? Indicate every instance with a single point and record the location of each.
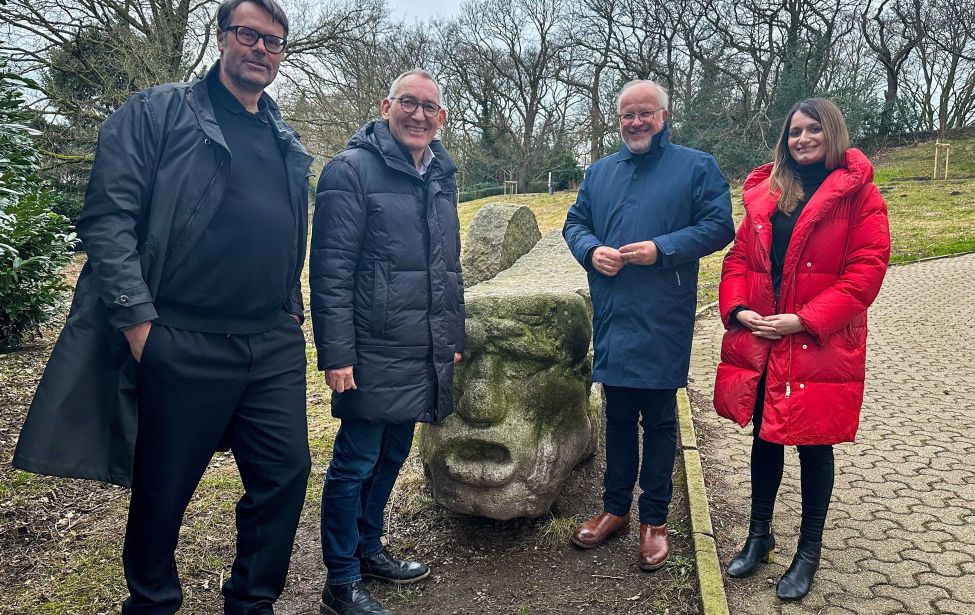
(893, 29)
(519, 39)
(593, 35)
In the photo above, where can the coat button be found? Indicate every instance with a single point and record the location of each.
(802, 386)
(123, 299)
(206, 141)
(808, 264)
(804, 346)
(759, 226)
(634, 176)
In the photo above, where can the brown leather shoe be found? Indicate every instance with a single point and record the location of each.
(599, 529)
(654, 546)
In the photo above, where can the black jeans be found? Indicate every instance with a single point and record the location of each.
(196, 391)
(624, 407)
(816, 472)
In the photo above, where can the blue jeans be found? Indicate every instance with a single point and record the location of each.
(624, 407)
(366, 459)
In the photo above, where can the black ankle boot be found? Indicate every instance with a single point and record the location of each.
(758, 548)
(350, 599)
(797, 580)
(384, 567)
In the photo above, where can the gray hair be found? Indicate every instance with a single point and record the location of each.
(662, 99)
(394, 87)
(227, 7)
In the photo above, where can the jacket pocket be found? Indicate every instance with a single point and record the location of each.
(380, 297)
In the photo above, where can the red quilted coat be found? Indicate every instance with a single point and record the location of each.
(833, 270)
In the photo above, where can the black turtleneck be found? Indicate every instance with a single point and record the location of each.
(812, 177)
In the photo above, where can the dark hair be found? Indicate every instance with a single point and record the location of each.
(784, 179)
(226, 10)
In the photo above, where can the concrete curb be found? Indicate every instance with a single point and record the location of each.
(924, 260)
(713, 599)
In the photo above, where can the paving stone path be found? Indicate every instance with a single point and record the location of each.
(900, 537)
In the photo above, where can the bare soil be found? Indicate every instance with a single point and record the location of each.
(60, 540)
(520, 567)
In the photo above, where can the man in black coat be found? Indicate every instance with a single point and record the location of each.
(388, 312)
(184, 335)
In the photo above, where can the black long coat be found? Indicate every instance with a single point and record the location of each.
(386, 290)
(161, 171)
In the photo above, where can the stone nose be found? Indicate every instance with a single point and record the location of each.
(483, 402)
(484, 398)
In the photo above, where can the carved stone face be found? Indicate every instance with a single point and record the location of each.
(523, 418)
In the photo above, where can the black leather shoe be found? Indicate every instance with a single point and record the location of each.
(384, 567)
(797, 580)
(350, 599)
(758, 548)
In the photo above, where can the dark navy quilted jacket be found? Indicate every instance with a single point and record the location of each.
(386, 290)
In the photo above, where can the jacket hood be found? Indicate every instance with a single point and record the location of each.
(853, 174)
(376, 137)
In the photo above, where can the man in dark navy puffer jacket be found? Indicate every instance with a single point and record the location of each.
(387, 304)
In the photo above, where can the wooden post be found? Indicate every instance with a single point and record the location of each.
(940, 147)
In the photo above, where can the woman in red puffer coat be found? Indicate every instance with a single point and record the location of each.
(807, 261)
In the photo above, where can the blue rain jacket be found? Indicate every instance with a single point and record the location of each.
(643, 317)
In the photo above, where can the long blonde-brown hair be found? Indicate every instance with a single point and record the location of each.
(784, 178)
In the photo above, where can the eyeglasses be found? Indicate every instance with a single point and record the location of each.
(410, 104)
(250, 36)
(645, 116)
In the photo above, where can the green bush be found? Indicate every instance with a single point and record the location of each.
(472, 195)
(35, 243)
(34, 246)
(67, 204)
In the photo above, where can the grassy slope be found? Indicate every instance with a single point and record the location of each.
(918, 161)
(926, 218)
(75, 568)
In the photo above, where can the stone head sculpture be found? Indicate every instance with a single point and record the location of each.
(523, 417)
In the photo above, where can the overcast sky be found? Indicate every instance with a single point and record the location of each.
(424, 9)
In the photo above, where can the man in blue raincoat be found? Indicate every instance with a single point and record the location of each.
(643, 218)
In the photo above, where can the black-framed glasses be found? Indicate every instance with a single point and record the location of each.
(250, 36)
(645, 116)
(410, 104)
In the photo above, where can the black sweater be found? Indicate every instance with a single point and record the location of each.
(236, 278)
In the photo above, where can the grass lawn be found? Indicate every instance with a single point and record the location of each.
(918, 161)
(926, 218)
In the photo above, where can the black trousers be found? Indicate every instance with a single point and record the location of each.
(196, 391)
(816, 472)
(658, 409)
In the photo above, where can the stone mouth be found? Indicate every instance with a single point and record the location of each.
(479, 462)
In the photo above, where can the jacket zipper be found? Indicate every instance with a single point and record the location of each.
(788, 382)
(678, 276)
